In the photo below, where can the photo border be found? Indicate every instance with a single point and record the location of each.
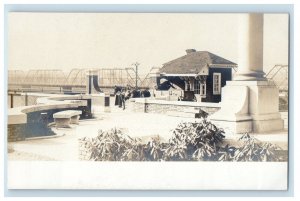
(190, 8)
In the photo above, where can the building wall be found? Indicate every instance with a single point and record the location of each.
(226, 75)
(163, 107)
(170, 95)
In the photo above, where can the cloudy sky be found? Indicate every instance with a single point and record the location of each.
(94, 40)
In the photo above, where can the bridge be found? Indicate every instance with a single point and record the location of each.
(75, 81)
(279, 74)
(56, 79)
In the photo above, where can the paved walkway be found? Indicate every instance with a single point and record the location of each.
(143, 125)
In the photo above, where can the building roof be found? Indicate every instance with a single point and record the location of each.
(194, 61)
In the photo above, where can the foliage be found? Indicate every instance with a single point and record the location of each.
(250, 150)
(283, 103)
(154, 149)
(114, 145)
(194, 141)
(197, 141)
(190, 141)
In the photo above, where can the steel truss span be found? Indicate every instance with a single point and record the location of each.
(279, 74)
(107, 78)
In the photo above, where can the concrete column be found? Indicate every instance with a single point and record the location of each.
(250, 47)
(250, 102)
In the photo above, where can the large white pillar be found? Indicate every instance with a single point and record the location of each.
(250, 47)
(250, 102)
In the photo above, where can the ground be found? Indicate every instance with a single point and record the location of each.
(64, 146)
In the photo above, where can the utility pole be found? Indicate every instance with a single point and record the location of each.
(136, 64)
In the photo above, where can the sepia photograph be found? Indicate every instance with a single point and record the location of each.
(205, 89)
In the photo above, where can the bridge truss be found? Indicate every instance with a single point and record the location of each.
(279, 74)
(107, 78)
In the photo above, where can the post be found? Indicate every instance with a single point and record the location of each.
(11, 100)
(136, 64)
(136, 76)
(26, 99)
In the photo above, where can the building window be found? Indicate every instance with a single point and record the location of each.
(216, 83)
(189, 86)
(200, 88)
(197, 87)
(203, 89)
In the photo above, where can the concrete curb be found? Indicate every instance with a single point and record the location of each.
(45, 137)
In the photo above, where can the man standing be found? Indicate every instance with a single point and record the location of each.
(122, 97)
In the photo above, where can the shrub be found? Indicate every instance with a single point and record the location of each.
(198, 141)
(251, 149)
(194, 141)
(114, 145)
(154, 149)
(109, 145)
(283, 103)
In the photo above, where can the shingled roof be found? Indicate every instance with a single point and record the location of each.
(194, 61)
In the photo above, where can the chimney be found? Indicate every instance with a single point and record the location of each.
(188, 51)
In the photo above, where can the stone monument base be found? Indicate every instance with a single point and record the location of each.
(249, 106)
(100, 103)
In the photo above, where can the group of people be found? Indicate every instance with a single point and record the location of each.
(121, 96)
(124, 93)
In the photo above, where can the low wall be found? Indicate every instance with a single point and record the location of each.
(162, 106)
(32, 121)
(23, 99)
(83, 152)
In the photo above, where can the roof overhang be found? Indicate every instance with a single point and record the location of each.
(222, 66)
(179, 75)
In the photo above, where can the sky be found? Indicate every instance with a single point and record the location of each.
(117, 40)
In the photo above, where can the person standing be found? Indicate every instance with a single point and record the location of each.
(122, 96)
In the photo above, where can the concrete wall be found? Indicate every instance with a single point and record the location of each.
(22, 99)
(170, 95)
(161, 106)
(14, 133)
(31, 121)
(83, 152)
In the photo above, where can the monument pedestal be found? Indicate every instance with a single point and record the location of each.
(100, 103)
(249, 106)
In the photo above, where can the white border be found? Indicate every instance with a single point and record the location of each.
(296, 52)
(147, 175)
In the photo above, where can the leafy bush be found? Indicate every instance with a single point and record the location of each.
(251, 149)
(198, 141)
(283, 103)
(114, 145)
(190, 141)
(194, 141)
(154, 150)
